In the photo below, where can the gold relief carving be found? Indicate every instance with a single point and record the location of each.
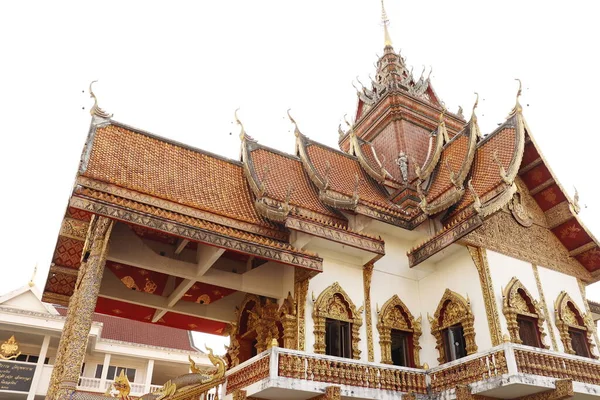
(588, 311)
(529, 204)
(538, 283)
(74, 228)
(287, 316)
(73, 341)
(518, 301)
(519, 212)
(129, 282)
(536, 244)
(334, 303)
(301, 279)
(395, 315)
(453, 309)
(558, 215)
(568, 315)
(479, 256)
(367, 274)
(9, 349)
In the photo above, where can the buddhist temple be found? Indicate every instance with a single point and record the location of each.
(421, 259)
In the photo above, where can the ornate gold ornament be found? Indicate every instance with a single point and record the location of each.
(538, 283)
(587, 310)
(287, 316)
(519, 212)
(334, 303)
(96, 111)
(453, 309)
(395, 315)
(301, 279)
(517, 300)
(367, 275)
(9, 349)
(122, 385)
(479, 256)
(568, 315)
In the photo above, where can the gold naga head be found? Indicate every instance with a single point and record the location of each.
(122, 384)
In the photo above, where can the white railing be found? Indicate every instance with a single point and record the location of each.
(93, 385)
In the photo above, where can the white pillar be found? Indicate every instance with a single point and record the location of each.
(104, 372)
(149, 371)
(39, 368)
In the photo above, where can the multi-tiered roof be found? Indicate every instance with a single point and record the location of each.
(404, 161)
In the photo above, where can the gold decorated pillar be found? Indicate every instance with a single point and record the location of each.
(73, 341)
(367, 274)
(301, 278)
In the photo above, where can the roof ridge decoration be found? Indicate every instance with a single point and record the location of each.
(432, 159)
(96, 111)
(377, 171)
(267, 207)
(454, 193)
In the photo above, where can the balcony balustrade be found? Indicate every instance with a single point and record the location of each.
(505, 371)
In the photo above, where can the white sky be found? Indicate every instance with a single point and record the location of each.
(179, 69)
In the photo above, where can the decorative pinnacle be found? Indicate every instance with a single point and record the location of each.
(237, 121)
(385, 21)
(518, 108)
(296, 130)
(32, 284)
(96, 110)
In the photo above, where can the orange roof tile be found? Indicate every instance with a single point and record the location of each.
(283, 170)
(154, 166)
(454, 155)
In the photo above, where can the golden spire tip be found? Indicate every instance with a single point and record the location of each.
(237, 121)
(385, 20)
(31, 283)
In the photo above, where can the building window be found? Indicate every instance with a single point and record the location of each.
(454, 342)
(338, 338)
(528, 331)
(579, 343)
(114, 371)
(401, 348)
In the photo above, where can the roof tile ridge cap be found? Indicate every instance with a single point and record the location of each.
(170, 141)
(333, 149)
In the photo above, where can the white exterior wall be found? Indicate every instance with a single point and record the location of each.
(350, 278)
(502, 269)
(459, 274)
(553, 283)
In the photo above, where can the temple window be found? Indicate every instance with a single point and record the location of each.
(455, 346)
(338, 338)
(336, 324)
(575, 327)
(524, 315)
(453, 327)
(399, 334)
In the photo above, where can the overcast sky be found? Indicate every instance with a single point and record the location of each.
(179, 69)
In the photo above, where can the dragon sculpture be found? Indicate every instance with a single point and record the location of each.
(192, 384)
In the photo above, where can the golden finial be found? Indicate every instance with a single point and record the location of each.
(313, 297)
(425, 366)
(296, 130)
(575, 202)
(385, 20)
(31, 284)
(274, 343)
(476, 101)
(377, 308)
(506, 338)
(96, 110)
(517, 108)
(442, 114)
(237, 121)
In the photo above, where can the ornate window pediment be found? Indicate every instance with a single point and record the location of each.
(334, 303)
(570, 321)
(395, 315)
(453, 309)
(517, 301)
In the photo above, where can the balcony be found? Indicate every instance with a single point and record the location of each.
(504, 372)
(93, 385)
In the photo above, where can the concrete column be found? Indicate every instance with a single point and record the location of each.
(73, 342)
(104, 374)
(149, 372)
(39, 368)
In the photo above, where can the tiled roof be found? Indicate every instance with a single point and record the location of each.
(485, 172)
(342, 169)
(283, 171)
(453, 155)
(146, 164)
(130, 331)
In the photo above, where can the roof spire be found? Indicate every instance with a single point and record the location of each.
(96, 110)
(385, 21)
(237, 120)
(32, 284)
(517, 108)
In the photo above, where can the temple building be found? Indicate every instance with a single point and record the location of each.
(29, 337)
(422, 259)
